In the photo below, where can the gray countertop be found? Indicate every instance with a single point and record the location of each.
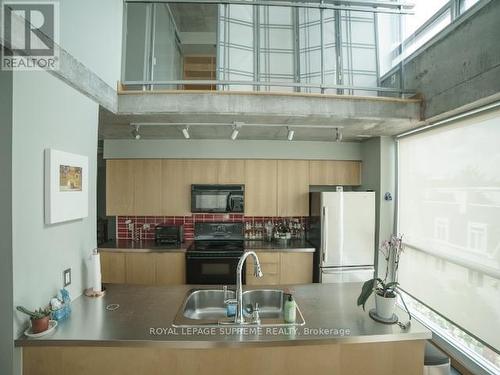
(329, 310)
(146, 246)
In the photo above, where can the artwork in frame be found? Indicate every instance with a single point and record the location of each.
(66, 186)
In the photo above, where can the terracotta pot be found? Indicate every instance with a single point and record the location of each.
(385, 306)
(40, 325)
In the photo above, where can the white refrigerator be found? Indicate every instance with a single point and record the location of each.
(342, 228)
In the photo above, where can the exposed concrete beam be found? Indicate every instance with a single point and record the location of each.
(274, 104)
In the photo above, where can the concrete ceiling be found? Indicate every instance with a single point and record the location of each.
(195, 17)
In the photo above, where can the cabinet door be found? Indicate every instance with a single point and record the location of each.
(203, 171)
(260, 187)
(270, 265)
(334, 172)
(140, 268)
(119, 187)
(293, 188)
(147, 192)
(231, 171)
(112, 267)
(176, 188)
(296, 268)
(171, 269)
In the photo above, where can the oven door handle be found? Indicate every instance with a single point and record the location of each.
(191, 257)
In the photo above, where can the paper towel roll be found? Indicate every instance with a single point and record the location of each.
(96, 273)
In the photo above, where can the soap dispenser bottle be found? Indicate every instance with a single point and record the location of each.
(290, 310)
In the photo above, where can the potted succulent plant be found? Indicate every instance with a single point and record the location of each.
(39, 318)
(385, 291)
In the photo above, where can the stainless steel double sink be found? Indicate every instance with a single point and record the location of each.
(206, 307)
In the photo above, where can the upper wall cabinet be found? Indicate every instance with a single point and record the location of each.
(148, 186)
(231, 172)
(293, 188)
(334, 172)
(120, 187)
(261, 187)
(176, 187)
(203, 171)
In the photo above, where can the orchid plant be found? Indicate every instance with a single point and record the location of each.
(391, 250)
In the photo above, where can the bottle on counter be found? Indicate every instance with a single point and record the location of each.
(290, 313)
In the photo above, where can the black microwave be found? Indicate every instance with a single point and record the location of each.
(218, 198)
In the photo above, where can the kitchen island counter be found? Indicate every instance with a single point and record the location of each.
(338, 338)
(145, 315)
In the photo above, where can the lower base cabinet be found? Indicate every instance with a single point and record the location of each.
(282, 268)
(143, 268)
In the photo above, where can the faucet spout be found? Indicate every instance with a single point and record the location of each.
(239, 318)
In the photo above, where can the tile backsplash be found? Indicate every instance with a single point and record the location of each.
(255, 222)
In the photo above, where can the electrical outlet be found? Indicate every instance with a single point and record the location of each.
(67, 277)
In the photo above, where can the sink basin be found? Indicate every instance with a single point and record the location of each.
(205, 307)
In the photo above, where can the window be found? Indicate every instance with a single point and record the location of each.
(477, 236)
(441, 229)
(449, 215)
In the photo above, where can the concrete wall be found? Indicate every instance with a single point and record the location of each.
(241, 149)
(461, 66)
(91, 31)
(48, 114)
(6, 308)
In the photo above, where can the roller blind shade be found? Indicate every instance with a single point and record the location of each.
(449, 214)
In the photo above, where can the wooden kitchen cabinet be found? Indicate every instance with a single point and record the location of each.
(203, 171)
(120, 178)
(334, 172)
(293, 188)
(231, 171)
(140, 268)
(176, 187)
(147, 187)
(270, 265)
(282, 268)
(296, 268)
(113, 267)
(170, 268)
(261, 187)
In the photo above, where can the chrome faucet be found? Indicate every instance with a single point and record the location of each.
(239, 318)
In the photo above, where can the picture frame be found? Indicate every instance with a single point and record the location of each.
(66, 186)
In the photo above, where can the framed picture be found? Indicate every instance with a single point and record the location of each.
(66, 186)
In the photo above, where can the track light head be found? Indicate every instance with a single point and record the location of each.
(185, 132)
(291, 133)
(236, 130)
(135, 132)
(338, 135)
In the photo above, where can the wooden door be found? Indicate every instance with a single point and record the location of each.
(334, 172)
(296, 268)
(231, 171)
(176, 188)
(293, 188)
(148, 187)
(140, 268)
(112, 267)
(261, 187)
(270, 265)
(170, 268)
(203, 171)
(119, 187)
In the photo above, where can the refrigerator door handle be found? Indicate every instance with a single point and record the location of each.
(325, 235)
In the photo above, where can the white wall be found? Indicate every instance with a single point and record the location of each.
(91, 31)
(48, 114)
